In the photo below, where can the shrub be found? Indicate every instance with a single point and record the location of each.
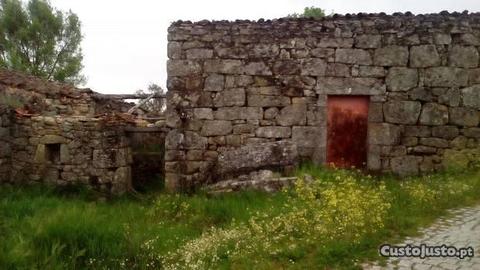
(346, 208)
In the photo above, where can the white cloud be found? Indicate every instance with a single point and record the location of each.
(125, 44)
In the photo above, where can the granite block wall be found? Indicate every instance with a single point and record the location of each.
(238, 85)
(61, 150)
(5, 148)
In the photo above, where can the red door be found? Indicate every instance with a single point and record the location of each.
(347, 131)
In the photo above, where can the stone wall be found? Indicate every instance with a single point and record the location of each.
(62, 150)
(5, 149)
(237, 84)
(55, 133)
(54, 98)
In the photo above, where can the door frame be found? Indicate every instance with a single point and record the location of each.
(377, 96)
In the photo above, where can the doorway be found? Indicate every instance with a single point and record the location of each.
(347, 131)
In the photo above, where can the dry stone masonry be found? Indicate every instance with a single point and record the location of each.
(252, 95)
(56, 134)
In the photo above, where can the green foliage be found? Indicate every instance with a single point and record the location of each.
(333, 222)
(154, 106)
(37, 39)
(309, 12)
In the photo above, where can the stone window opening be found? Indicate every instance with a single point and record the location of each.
(53, 153)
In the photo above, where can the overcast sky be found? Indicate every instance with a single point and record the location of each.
(125, 42)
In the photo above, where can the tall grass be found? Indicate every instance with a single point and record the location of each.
(336, 221)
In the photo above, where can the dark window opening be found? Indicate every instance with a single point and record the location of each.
(53, 152)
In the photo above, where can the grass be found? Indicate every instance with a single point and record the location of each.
(47, 228)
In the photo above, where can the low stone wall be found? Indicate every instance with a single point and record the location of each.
(54, 98)
(71, 150)
(233, 84)
(5, 149)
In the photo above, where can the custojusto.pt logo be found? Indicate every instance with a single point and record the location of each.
(425, 251)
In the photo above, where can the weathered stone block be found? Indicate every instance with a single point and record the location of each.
(257, 156)
(471, 96)
(401, 79)
(402, 112)
(52, 139)
(199, 53)
(264, 50)
(434, 114)
(287, 67)
(368, 41)
(422, 150)
(223, 66)
(122, 180)
(353, 56)
(271, 113)
(183, 67)
(391, 56)
(322, 52)
(267, 101)
(409, 141)
(306, 136)
(216, 128)
(424, 56)
(463, 56)
(445, 77)
(371, 71)
(65, 157)
(174, 50)
(383, 134)
(257, 68)
(459, 142)
(176, 140)
(442, 38)
(474, 76)
(353, 86)
(326, 42)
(472, 132)
(40, 154)
(235, 113)
(434, 142)
(203, 113)
(464, 117)
(446, 132)
(293, 115)
(214, 82)
(230, 97)
(375, 112)
(273, 132)
(265, 90)
(452, 97)
(313, 67)
(421, 93)
(418, 131)
(337, 70)
(232, 52)
(404, 166)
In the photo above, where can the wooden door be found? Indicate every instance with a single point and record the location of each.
(347, 131)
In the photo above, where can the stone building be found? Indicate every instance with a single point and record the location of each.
(396, 93)
(57, 134)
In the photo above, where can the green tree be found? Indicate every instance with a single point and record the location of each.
(313, 12)
(154, 106)
(38, 39)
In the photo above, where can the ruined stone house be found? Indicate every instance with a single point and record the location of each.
(397, 93)
(62, 135)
